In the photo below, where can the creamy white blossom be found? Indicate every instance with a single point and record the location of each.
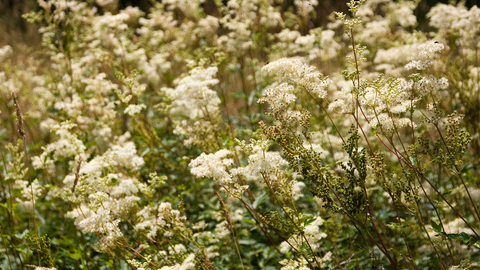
(426, 53)
(213, 166)
(133, 109)
(188, 264)
(293, 70)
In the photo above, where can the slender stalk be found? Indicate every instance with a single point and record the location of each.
(403, 234)
(230, 226)
(6, 247)
(232, 136)
(460, 175)
(438, 215)
(267, 181)
(22, 133)
(382, 247)
(424, 177)
(420, 217)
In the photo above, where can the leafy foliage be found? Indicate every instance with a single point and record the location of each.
(238, 135)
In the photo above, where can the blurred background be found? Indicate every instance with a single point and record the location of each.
(16, 32)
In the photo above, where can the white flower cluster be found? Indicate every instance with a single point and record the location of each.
(105, 198)
(430, 85)
(287, 40)
(393, 60)
(302, 264)
(241, 19)
(305, 6)
(278, 97)
(29, 193)
(319, 45)
(402, 13)
(268, 168)
(5, 51)
(311, 234)
(193, 98)
(262, 162)
(188, 264)
(385, 105)
(343, 102)
(123, 154)
(68, 145)
(459, 23)
(427, 52)
(133, 109)
(294, 71)
(264, 168)
(100, 221)
(214, 166)
(159, 218)
(329, 46)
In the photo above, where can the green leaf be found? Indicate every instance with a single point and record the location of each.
(145, 152)
(397, 225)
(75, 255)
(246, 242)
(260, 199)
(413, 160)
(309, 220)
(465, 237)
(251, 98)
(477, 244)
(108, 262)
(240, 95)
(230, 143)
(249, 221)
(436, 227)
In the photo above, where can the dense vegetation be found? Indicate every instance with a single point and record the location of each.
(238, 135)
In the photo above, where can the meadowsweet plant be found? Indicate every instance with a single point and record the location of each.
(241, 135)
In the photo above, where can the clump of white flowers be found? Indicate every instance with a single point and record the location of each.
(188, 264)
(133, 109)
(311, 236)
(160, 218)
(5, 51)
(263, 120)
(214, 166)
(194, 99)
(295, 72)
(262, 162)
(278, 97)
(67, 145)
(427, 52)
(193, 96)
